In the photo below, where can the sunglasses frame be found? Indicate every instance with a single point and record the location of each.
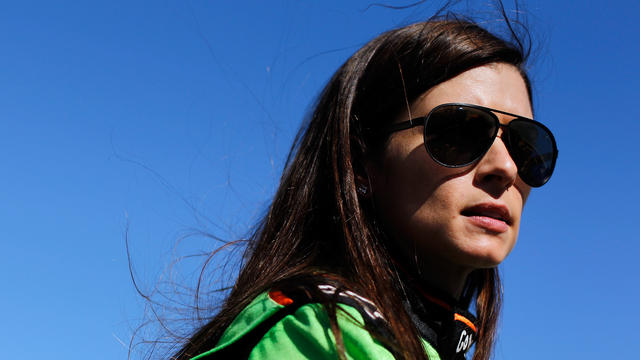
(422, 120)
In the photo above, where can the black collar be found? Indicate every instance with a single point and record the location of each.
(440, 319)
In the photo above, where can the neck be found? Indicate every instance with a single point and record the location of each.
(435, 272)
(444, 277)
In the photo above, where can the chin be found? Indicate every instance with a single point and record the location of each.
(483, 257)
(485, 263)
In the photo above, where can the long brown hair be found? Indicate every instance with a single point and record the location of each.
(317, 223)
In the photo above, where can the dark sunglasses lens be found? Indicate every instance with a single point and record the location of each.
(533, 149)
(456, 135)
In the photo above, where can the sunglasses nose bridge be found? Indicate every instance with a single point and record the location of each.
(502, 131)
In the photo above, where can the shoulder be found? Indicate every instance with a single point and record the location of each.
(306, 334)
(275, 326)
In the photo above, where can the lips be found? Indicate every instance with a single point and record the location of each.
(492, 217)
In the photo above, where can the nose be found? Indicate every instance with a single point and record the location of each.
(496, 171)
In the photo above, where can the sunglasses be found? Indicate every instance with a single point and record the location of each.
(457, 135)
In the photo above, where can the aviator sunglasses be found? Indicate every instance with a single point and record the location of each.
(457, 135)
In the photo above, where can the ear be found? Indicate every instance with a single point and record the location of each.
(363, 186)
(363, 182)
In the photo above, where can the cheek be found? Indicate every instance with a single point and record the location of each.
(432, 226)
(415, 196)
(523, 189)
(405, 181)
(518, 199)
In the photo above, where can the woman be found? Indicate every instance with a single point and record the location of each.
(402, 194)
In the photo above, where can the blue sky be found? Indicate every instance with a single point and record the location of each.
(172, 116)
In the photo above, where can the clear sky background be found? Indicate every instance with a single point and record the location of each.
(175, 116)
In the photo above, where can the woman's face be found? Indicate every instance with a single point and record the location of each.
(447, 216)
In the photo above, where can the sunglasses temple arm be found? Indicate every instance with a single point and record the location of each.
(405, 125)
